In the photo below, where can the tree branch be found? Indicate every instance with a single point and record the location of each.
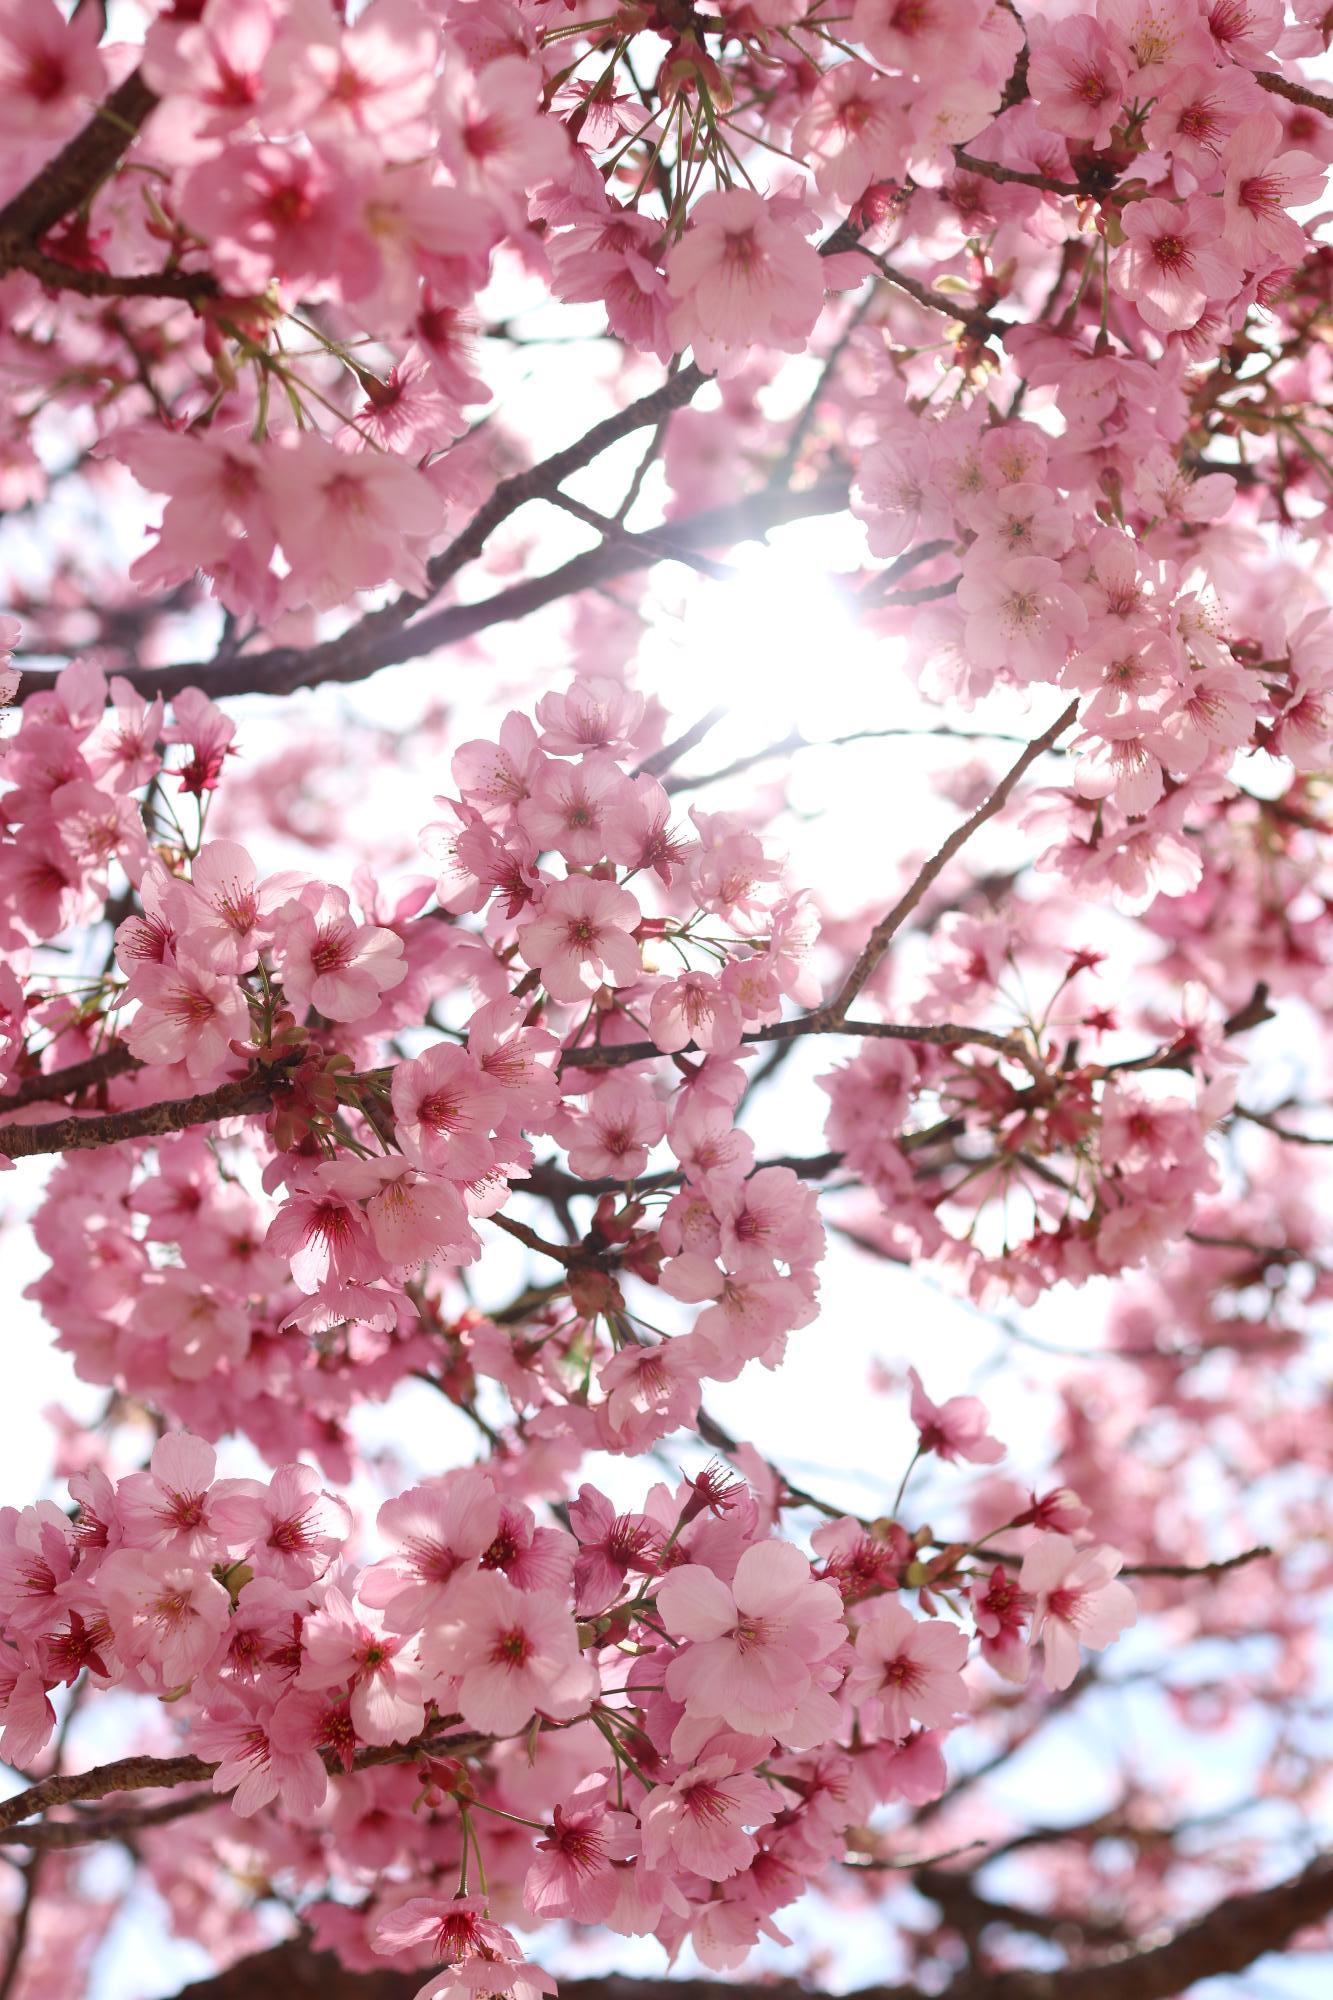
(78, 169)
(877, 943)
(943, 1034)
(147, 1121)
(1295, 93)
(366, 647)
(57, 276)
(991, 170)
(155, 1774)
(48, 1085)
(125, 1774)
(974, 318)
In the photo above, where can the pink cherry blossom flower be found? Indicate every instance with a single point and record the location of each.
(1124, 760)
(573, 1873)
(188, 1012)
(1245, 31)
(51, 71)
(1262, 184)
(581, 937)
(1174, 261)
(1021, 615)
(1158, 39)
(373, 77)
(1000, 1611)
(290, 1528)
(519, 1058)
(700, 1821)
(614, 1136)
(910, 35)
(609, 258)
(1305, 724)
(324, 1238)
(1078, 75)
(37, 1556)
(533, 1558)
(649, 1391)
(268, 211)
(349, 521)
(743, 275)
(340, 1649)
(596, 712)
(167, 1613)
(264, 1752)
(216, 64)
(853, 129)
(445, 1109)
(695, 1008)
(953, 1430)
(611, 1545)
(705, 1141)
(217, 518)
(168, 1506)
(579, 810)
(440, 1534)
(413, 1218)
(497, 776)
(1194, 116)
(484, 1978)
(898, 496)
(513, 1653)
(451, 1931)
(492, 137)
(1216, 708)
(26, 1712)
(768, 1219)
(1078, 1602)
(754, 1643)
(906, 1670)
(201, 1330)
(232, 914)
(332, 963)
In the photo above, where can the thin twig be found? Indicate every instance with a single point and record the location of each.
(878, 941)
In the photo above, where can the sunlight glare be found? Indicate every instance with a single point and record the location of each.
(779, 646)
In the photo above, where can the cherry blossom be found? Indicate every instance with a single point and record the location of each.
(1078, 1602)
(572, 578)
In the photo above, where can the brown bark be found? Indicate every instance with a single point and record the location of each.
(382, 641)
(147, 1121)
(79, 168)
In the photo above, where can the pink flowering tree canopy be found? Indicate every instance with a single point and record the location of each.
(666, 987)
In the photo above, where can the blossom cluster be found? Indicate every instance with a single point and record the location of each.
(722, 1704)
(467, 1111)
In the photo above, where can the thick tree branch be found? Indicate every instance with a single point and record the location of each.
(155, 1774)
(146, 1121)
(78, 169)
(189, 286)
(376, 637)
(656, 541)
(1295, 93)
(366, 647)
(125, 1774)
(49, 1085)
